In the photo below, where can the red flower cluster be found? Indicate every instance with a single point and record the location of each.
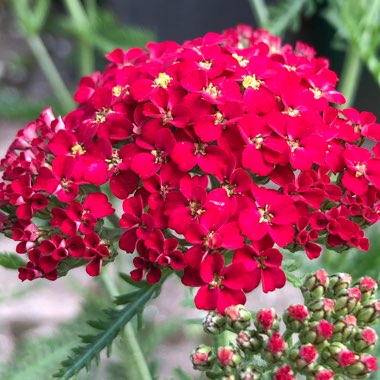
(186, 136)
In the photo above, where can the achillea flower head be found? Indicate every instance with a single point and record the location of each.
(156, 126)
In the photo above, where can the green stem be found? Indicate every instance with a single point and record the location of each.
(46, 63)
(350, 75)
(131, 342)
(287, 336)
(114, 220)
(260, 12)
(82, 23)
(282, 23)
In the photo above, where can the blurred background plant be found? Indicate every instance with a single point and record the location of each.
(46, 46)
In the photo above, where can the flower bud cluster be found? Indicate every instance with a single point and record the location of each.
(326, 338)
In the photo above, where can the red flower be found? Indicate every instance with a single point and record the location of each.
(361, 169)
(139, 225)
(147, 164)
(220, 286)
(60, 180)
(273, 215)
(261, 266)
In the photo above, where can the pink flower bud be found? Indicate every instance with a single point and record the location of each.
(284, 373)
(364, 340)
(275, 349)
(315, 285)
(266, 321)
(203, 358)
(321, 373)
(368, 286)
(238, 317)
(228, 357)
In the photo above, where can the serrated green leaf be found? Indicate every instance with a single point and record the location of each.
(140, 284)
(116, 320)
(290, 265)
(11, 260)
(126, 298)
(295, 280)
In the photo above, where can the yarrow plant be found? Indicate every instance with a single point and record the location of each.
(225, 151)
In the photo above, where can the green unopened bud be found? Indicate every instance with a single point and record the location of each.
(267, 321)
(347, 302)
(316, 332)
(315, 285)
(228, 358)
(367, 286)
(365, 365)
(214, 323)
(303, 358)
(203, 358)
(296, 317)
(322, 308)
(337, 283)
(238, 318)
(344, 328)
(364, 340)
(337, 356)
(249, 341)
(248, 373)
(369, 313)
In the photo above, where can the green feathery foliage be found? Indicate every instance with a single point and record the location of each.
(34, 359)
(283, 15)
(357, 22)
(11, 260)
(109, 328)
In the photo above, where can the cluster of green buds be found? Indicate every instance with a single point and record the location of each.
(327, 337)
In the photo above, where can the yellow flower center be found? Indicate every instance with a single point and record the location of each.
(117, 90)
(219, 118)
(317, 92)
(162, 80)
(257, 141)
(195, 208)
(291, 112)
(217, 282)
(252, 81)
(101, 116)
(212, 91)
(77, 149)
(200, 149)
(205, 65)
(241, 60)
(294, 145)
(168, 116)
(265, 215)
(114, 160)
(360, 170)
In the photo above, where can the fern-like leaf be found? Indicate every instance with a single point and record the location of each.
(137, 284)
(93, 344)
(11, 260)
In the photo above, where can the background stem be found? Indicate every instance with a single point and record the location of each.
(350, 75)
(46, 63)
(260, 11)
(83, 27)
